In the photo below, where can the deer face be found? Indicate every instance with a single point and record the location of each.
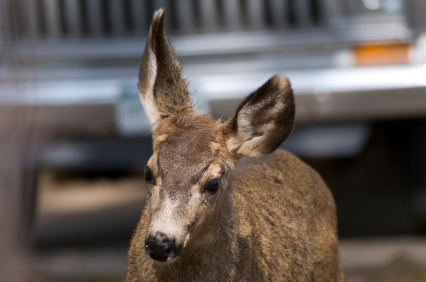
(193, 154)
(184, 179)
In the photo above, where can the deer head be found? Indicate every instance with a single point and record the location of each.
(188, 174)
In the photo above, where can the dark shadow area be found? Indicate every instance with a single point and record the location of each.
(374, 191)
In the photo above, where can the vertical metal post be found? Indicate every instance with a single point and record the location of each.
(327, 12)
(303, 13)
(138, 12)
(185, 16)
(279, 13)
(73, 17)
(116, 15)
(94, 18)
(208, 10)
(256, 14)
(3, 28)
(232, 15)
(52, 18)
(32, 18)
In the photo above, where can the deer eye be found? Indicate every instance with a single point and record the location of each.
(148, 175)
(212, 186)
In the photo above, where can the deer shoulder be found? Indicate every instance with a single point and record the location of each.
(223, 204)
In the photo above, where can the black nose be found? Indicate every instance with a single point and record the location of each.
(159, 247)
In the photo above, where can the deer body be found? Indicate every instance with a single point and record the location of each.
(221, 206)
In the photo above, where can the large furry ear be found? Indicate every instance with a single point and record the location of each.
(162, 89)
(263, 120)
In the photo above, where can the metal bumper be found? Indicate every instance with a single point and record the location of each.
(368, 93)
(323, 95)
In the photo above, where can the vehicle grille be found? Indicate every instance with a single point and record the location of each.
(41, 19)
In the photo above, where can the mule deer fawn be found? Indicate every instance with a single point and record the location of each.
(222, 204)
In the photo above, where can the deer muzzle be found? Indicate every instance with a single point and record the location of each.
(162, 248)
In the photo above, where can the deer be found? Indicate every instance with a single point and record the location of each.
(223, 203)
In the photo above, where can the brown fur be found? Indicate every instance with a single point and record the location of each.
(276, 88)
(170, 90)
(272, 218)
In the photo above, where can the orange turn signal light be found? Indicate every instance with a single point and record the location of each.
(381, 54)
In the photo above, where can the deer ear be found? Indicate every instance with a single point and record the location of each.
(162, 90)
(263, 120)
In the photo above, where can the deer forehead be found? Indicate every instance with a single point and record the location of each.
(185, 155)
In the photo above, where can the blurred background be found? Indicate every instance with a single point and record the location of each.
(74, 138)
